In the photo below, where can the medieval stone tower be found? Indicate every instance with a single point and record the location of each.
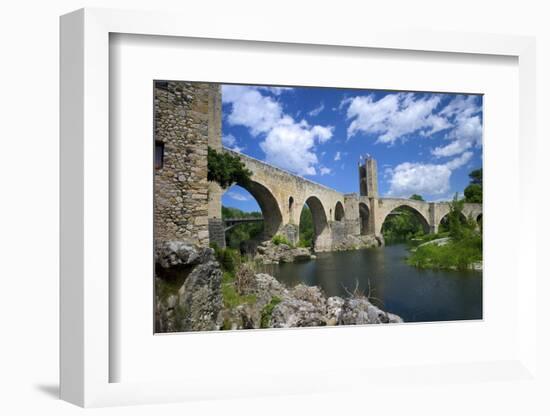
(368, 178)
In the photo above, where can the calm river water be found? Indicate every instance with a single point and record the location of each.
(415, 295)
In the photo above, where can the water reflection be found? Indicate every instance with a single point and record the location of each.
(416, 295)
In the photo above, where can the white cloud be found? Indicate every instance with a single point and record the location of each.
(237, 197)
(251, 109)
(424, 179)
(337, 156)
(290, 145)
(276, 90)
(393, 116)
(467, 131)
(316, 111)
(231, 142)
(228, 140)
(287, 143)
(397, 115)
(323, 170)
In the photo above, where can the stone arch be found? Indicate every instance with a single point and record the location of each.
(364, 214)
(444, 218)
(269, 206)
(422, 219)
(321, 236)
(339, 213)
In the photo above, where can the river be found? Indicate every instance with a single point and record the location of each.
(415, 295)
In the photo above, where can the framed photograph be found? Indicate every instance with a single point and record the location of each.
(332, 194)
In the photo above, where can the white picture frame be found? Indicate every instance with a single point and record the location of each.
(85, 220)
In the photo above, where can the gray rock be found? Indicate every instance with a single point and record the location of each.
(311, 294)
(269, 253)
(291, 313)
(359, 311)
(335, 305)
(180, 253)
(200, 299)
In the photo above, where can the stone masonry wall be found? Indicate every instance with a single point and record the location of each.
(181, 186)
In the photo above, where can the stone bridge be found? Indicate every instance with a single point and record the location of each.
(281, 196)
(188, 207)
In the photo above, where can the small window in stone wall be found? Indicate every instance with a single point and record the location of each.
(159, 155)
(163, 85)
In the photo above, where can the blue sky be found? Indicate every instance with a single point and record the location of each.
(424, 143)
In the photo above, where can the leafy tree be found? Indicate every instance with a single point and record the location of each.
(476, 176)
(241, 232)
(402, 226)
(474, 191)
(306, 228)
(226, 169)
(416, 197)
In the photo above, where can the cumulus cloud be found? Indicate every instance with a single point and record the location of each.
(424, 179)
(276, 90)
(290, 145)
(395, 116)
(323, 170)
(287, 143)
(237, 197)
(337, 156)
(316, 111)
(467, 133)
(230, 141)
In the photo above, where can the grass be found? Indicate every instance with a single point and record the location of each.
(455, 255)
(279, 239)
(231, 297)
(267, 311)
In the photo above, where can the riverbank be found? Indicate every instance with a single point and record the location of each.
(217, 293)
(448, 253)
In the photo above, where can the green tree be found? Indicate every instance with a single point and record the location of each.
(476, 176)
(235, 236)
(474, 191)
(226, 169)
(306, 228)
(416, 197)
(401, 226)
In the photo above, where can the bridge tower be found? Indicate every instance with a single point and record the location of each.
(368, 178)
(368, 187)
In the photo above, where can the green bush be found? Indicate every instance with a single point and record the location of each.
(231, 297)
(455, 255)
(279, 239)
(226, 169)
(228, 258)
(267, 311)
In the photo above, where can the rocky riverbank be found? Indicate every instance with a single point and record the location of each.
(271, 253)
(211, 298)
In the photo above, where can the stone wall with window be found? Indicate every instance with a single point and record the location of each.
(183, 124)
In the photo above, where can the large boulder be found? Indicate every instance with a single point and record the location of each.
(359, 311)
(169, 254)
(311, 294)
(335, 304)
(200, 299)
(270, 253)
(292, 312)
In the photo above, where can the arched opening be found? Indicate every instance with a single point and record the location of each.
(444, 225)
(404, 223)
(339, 212)
(291, 209)
(479, 220)
(313, 224)
(364, 218)
(250, 214)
